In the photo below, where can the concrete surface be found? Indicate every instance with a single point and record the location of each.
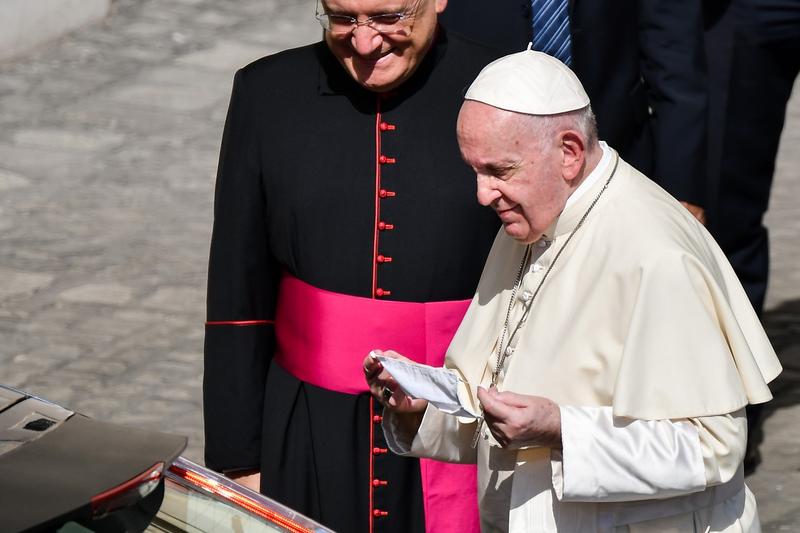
(26, 24)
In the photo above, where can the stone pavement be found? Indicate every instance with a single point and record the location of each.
(108, 147)
(776, 482)
(109, 141)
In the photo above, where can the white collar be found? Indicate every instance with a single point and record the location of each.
(593, 176)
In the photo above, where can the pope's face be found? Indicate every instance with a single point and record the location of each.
(518, 176)
(381, 62)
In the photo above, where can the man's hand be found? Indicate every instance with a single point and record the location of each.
(518, 420)
(248, 478)
(697, 212)
(385, 389)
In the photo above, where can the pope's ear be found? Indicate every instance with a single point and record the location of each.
(573, 152)
(441, 5)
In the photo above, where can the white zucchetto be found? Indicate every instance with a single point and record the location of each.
(529, 82)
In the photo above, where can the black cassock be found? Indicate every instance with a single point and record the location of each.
(309, 158)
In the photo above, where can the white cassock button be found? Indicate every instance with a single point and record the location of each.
(526, 296)
(509, 350)
(536, 267)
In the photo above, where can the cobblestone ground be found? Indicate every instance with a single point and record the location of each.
(776, 483)
(108, 147)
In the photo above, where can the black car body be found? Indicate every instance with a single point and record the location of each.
(62, 471)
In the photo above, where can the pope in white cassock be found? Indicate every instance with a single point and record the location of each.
(609, 345)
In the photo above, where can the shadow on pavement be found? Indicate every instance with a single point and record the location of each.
(783, 328)
(782, 325)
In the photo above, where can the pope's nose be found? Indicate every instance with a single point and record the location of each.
(487, 195)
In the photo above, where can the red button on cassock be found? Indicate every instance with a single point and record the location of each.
(379, 451)
(383, 193)
(384, 226)
(379, 482)
(383, 259)
(382, 292)
(385, 126)
(378, 512)
(377, 419)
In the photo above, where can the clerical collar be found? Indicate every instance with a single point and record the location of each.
(593, 176)
(598, 172)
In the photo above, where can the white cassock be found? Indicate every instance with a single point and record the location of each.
(644, 337)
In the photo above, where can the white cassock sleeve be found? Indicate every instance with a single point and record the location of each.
(440, 436)
(612, 459)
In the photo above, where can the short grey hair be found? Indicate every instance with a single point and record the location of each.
(545, 126)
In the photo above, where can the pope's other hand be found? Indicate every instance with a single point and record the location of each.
(519, 420)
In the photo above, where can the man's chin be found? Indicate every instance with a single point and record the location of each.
(512, 232)
(384, 75)
(378, 81)
(522, 237)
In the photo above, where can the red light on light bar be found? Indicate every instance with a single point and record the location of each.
(129, 492)
(239, 499)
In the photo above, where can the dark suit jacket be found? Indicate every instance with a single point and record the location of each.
(642, 64)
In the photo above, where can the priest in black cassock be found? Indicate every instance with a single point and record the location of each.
(344, 220)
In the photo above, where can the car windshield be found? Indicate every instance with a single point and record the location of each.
(187, 510)
(193, 499)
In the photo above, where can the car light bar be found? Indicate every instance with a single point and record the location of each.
(228, 494)
(128, 493)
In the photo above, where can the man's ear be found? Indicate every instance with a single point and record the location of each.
(441, 5)
(573, 154)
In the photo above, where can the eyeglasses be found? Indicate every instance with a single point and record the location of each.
(383, 23)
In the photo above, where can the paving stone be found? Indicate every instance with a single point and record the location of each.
(225, 55)
(184, 299)
(12, 180)
(37, 163)
(55, 353)
(68, 139)
(101, 293)
(176, 89)
(142, 317)
(216, 18)
(15, 282)
(96, 367)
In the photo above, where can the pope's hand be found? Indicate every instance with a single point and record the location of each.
(385, 389)
(518, 420)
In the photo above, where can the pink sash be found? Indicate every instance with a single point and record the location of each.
(322, 338)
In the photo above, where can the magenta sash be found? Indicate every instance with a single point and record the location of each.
(322, 337)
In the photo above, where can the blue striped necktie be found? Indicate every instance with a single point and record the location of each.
(551, 29)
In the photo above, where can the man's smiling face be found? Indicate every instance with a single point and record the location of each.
(381, 62)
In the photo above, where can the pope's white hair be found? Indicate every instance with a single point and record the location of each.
(544, 127)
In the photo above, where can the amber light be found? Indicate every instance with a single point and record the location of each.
(239, 499)
(128, 493)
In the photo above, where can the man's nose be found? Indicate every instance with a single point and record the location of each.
(365, 40)
(487, 194)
